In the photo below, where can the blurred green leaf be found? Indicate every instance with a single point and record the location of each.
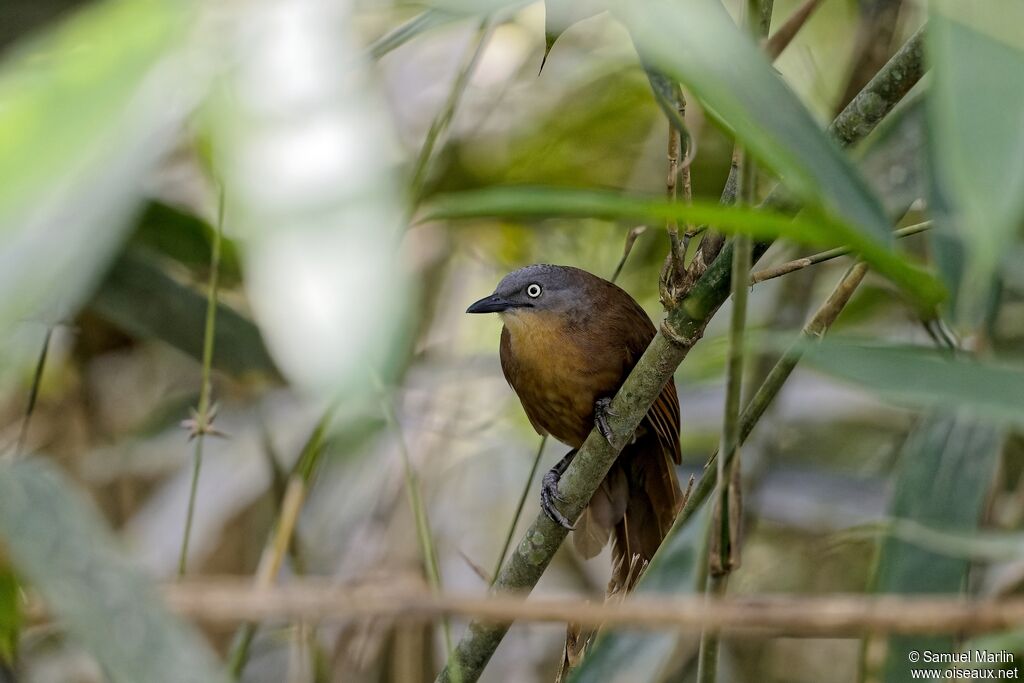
(978, 546)
(144, 301)
(85, 109)
(892, 159)
(187, 239)
(613, 113)
(976, 135)
(559, 15)
(621, 655)
(923, 377)
(539, 202)
(1011, 641)
(58, 542)
(333, 306)
(430, 18)
(945, 471)
(10, 613)
(697, 42)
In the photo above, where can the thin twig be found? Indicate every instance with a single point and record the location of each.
(519, 510)
(447, 113)
(627, 249)
(229, 600)
(782, 37)
(797, 264)
(677, 250)
(33, 394)
(202, 418)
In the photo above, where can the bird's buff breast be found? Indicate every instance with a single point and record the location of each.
(555, 377)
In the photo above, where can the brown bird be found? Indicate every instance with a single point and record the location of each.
(570, 340)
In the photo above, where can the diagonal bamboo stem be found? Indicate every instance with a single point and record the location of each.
(821, 257)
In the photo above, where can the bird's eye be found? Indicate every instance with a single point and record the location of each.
(533, 290)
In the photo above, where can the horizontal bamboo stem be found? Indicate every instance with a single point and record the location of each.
(221, 601)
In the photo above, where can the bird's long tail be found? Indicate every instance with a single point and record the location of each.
(635, 506)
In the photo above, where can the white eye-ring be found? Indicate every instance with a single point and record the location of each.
(533, 290)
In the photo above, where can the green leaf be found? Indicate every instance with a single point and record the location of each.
(974, 545)
(10, 613)
(428, 19)
(58, 542)
(924, 378)
(621, 655)
(559, 15)
(140, 298)
(892, 159)
(187, 239)
(806, 227)
(87, 108)
(945, 470)
(697, 42)
(976, 134)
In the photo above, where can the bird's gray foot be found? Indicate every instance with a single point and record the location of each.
(602, 411)
(549, 493)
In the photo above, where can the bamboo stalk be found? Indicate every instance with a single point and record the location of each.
(229, 600)
(201, 422)
(722, 547)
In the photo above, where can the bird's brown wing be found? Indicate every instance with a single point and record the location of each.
(663, 417)
(654, 496)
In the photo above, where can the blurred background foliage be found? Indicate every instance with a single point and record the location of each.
(139, 136)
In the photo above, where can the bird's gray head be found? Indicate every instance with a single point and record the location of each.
(540, 287)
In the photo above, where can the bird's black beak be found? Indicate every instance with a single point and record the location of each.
(490, 304)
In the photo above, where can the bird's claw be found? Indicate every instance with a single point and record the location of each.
(602, 411)
(549, 495)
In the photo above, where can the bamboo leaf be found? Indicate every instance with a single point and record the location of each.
(924, 378)
(87, 108)
(10, 614)
(144, 301)
(426, 20)
(978, 546)
(58, 542)
(976, 135)
(186, 238)
(697, 42)
(945, 470)
(560, 15)
(808, 227)
(331, 304)
(893, 158)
